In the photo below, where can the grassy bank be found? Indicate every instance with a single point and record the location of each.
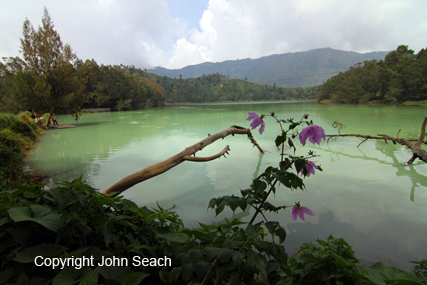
(415, 103)
(17, 135)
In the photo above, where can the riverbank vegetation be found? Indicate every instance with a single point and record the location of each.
(17, 135)
(400, 77)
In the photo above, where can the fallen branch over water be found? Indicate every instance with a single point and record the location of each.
(186, 155)
(417, 151)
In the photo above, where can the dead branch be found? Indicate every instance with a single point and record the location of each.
(417, 151)
(186, 155)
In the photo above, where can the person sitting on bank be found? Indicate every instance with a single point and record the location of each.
(55, 118)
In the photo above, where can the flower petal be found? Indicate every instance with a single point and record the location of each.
(261, 129)
(294, 212)
(301, 214)
(314, 133)
(252, 115)
(307, 211)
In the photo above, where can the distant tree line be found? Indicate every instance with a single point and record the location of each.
(116, 88)
(401, 76)
(97, 86)
(219, 88)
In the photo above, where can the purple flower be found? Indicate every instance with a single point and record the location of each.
(300, 211)
(310, 166)
(256, 121)
(314, 133)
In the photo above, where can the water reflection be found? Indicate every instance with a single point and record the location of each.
(389, 150)
(362, 195)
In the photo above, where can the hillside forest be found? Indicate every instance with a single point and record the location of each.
(400, 77)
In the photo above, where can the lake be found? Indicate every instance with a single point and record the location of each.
(366, 194)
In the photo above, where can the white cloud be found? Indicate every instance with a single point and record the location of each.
(145, 34)
(231, 29)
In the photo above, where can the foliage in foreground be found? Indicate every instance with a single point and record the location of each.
(75, 220)
(17, 134)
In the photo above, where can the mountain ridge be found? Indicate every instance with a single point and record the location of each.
(297, 69)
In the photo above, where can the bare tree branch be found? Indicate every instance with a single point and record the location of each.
(203, 159)
(416, 149)
(185, 155)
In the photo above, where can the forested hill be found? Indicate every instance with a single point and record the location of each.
(218, 88)
(400, 77)
(298, 69)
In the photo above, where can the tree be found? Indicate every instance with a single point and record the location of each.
(46, 77)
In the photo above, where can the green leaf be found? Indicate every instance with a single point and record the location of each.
(114, 273)
(283, 180)
(201, 268)
(4, 221)
(242, 203)
(133, 278)
(22, 279)
(46, 250)
(235, 278)
(220, 207)
(291, 144)
(196, 255)
(251, 231)
(187, 271)
(173, 275)
(212, 203)
(69, 276)
(280, 139)
(382, 274)
(224, 254)
(233, 203)
(299, 164)
(35, 213)
(281, 233)
(238, 258)
(90, 277)
(259, 186)
(7, 273)
(174, 237)
(211, 252)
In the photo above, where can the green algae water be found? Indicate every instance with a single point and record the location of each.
(365, 194)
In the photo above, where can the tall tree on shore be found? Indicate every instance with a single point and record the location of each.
(46, 76)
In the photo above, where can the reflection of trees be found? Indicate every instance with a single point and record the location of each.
(389, 151)
(402, 169)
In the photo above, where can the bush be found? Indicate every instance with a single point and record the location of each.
(16, 137)
(25, 127)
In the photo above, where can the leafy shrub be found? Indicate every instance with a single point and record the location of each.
(19, 125)
(332, 262)
(12, 147)
(76, 220)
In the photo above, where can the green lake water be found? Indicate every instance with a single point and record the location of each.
(365, 194)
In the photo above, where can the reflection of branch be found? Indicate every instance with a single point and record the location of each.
(417, 151)
(185, 155)
(416, 178)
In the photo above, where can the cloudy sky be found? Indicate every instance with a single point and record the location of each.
(177, 33)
